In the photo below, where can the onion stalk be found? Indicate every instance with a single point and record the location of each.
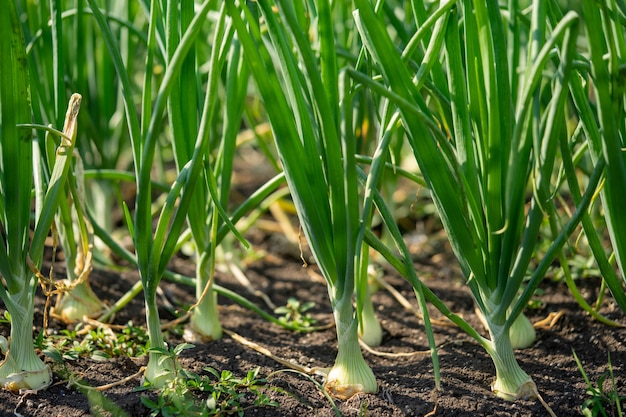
(511, 381)
(22, 369)
(350, 374)
(20, 254)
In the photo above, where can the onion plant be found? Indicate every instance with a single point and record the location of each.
(155, 246)
(214, 183)
(491, 131)
(310, 119)
(311, 105)
(604, 128)
(20, 253)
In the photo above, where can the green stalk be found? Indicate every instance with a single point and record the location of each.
(183, 115)
(405, 267)
(545, 154)
(204, 319)
(255, 200)
(600, 140)
(57, 60)
(560, 240)
(370, 330)
(161, 367)
(607, 271)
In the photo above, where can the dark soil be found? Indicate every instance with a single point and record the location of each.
(406, 384)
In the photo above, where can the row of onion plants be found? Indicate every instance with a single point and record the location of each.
(479, 93)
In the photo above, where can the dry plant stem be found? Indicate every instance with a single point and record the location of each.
(444, 322)
(432, 413)
(550, 321)
(545, 406)
(265, 225)
(111, 385)
(75, 232)
(393, 355)
(70, 126)
(46, 284)
(342, 392)
(314, 275)
(241, 277)
(173, 323)
(72, 291)
(290, 364)
(283, 221)
(94, 323)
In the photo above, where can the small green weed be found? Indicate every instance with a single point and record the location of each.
(6, 318)
(602, 402)
(228, 394)
(295, 313)
(99, 343)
